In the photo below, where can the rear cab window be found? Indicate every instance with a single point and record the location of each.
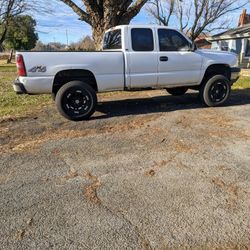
(113, 40)
(142, 39)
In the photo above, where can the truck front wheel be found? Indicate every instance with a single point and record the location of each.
(177, 91)
(215, 91)
(76, 101)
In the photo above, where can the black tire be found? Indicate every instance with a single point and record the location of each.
(215, 91)
(76, 101)
(177, 91)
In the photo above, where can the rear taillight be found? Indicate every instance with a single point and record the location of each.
(20, 66)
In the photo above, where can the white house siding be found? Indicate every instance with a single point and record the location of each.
(234, 45)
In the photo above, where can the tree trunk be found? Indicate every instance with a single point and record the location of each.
(98, 33)
(102, 15)
(3, 35)
(10, 57)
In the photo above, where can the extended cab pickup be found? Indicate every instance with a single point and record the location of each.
(133, 58)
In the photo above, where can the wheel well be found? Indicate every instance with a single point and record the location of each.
(218, 69)
(66, 76)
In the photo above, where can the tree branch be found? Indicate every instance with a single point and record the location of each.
(134, 9)
(81, 13)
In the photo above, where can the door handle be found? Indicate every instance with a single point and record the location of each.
(163, 58)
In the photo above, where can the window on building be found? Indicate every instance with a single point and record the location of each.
(224, 45)
(248, 48)
(215, 45)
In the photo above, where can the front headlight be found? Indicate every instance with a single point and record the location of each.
(235, 62)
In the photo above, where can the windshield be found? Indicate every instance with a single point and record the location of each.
(112, 40)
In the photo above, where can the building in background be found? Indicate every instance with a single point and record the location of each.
(202, 42)
(236, 40)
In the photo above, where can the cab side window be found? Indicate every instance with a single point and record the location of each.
(171, 40)
(142, 39)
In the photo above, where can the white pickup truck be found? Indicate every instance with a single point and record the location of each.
(133, 58)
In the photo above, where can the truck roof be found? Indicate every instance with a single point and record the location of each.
(140, 26)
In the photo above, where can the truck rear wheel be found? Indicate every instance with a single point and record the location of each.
(215, 91)
(177, 91)
(76, 101)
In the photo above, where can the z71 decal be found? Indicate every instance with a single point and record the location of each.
(39, 69)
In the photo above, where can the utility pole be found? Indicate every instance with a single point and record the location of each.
(158, 11)
(67, 37)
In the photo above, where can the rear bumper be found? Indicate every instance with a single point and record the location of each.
(19, 87)
(235, 74)
(33, 85)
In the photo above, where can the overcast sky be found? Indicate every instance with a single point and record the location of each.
(53, 27)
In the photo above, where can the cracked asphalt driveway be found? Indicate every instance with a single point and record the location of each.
(149, 171)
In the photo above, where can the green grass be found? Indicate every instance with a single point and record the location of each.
(242, 83)
(19, 105)
(16, 105)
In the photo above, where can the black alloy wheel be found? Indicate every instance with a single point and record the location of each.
(76, 101)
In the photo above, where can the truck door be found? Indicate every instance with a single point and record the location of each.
(177, 64)
(142, 58)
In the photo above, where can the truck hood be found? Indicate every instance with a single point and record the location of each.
(222, 57)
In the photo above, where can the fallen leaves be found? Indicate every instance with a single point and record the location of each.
(90, 191)
(156, 167)
(20, 143)
(20, 234)
(71, 174)
(151, 172)
(231, 190)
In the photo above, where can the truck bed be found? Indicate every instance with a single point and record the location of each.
(107, 67)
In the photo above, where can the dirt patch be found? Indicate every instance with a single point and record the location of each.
(157, 166)
(231, 190)
(151, 172)
(90, 192)
(220, 125)
(20, 234)
(72, 174)
(20, 143)
(181, 147)
(184, 121)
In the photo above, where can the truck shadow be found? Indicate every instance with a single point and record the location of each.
(158, 104)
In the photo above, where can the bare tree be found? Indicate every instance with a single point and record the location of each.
(196, 16)
(85, 44)
(162, 11)
(104, 14)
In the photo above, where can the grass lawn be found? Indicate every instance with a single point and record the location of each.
(20, 105)
(243, 83)
(16, 105)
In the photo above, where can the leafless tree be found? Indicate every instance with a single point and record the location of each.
(195, 16)
(85, 44)
(162, 11)
(104, 14)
